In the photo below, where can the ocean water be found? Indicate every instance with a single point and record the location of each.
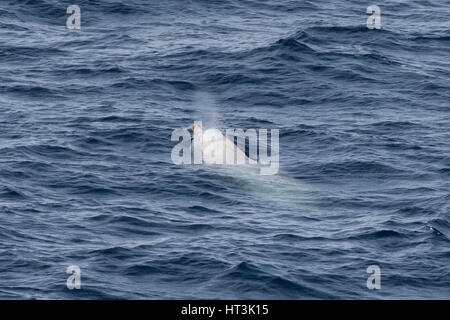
(86, 177)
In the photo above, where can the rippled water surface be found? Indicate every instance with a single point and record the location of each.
(86, 176)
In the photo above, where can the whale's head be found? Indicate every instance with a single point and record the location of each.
(197, 131)
(195, 128)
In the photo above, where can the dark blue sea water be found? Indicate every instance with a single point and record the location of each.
(86, 176)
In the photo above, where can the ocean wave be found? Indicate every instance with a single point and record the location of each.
(87, 179)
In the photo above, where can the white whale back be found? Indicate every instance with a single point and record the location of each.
(215, 146)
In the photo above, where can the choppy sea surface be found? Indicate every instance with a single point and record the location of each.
(86, 176)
